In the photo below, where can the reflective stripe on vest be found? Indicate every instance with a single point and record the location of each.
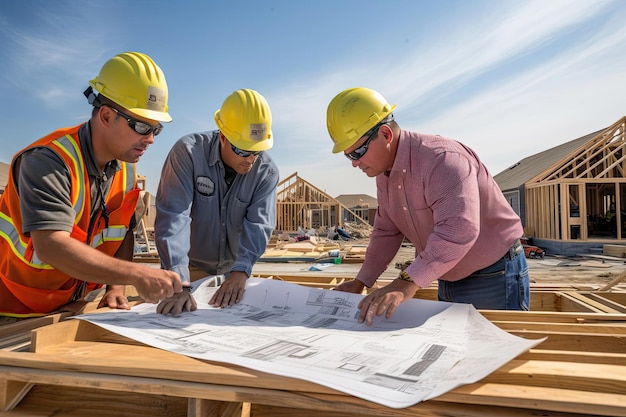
(128, 171)
(68, 145)
(112, 233)
(9, 233)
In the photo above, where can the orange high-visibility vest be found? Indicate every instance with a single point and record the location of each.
(30, 287)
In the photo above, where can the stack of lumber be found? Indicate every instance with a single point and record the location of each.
(312, 250)
(354, 254)
(618, 251)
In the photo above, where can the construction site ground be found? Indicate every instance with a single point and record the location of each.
(581, 270)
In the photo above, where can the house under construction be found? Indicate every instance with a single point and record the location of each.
(572, 198)
(301, 205)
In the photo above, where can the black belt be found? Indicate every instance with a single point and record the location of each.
(514, 250)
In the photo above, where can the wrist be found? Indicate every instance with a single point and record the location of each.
(238, 273)
(361, 283)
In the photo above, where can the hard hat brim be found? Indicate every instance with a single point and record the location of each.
(262, 145)
(342, 146)
(151, 114)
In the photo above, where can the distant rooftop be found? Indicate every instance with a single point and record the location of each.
(357, 200)
(526, 169)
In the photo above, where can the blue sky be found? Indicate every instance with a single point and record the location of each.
(507, 78)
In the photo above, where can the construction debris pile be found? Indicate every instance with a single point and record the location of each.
(307, 248)
(358, 230)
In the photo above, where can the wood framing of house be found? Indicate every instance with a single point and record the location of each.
(575, 192)
(299, 204)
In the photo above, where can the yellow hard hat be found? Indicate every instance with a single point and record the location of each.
(246, 120)
(135, 82)
(352, 113)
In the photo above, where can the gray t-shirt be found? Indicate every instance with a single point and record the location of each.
(44, 186)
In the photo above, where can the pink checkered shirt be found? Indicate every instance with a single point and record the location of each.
(442, 198)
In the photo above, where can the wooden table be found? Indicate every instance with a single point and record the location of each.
(77, 369)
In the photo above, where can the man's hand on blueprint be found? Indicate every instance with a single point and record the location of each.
(231, 291)
(115, 297)
(176, 304)
(385, 300)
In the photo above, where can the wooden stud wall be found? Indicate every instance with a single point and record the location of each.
(602, 161)
(300, 204)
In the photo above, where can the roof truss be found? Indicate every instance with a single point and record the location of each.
(603, 157)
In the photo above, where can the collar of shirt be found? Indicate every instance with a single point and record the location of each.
(98, 189)
(213, 154)
(403, 154)
(84, 135)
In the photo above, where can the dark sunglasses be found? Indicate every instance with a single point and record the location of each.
(244, 154)
(138, 126)
(358, 153)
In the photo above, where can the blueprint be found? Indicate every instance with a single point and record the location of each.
(426, 349)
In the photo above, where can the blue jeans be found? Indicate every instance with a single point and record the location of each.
(505, 285)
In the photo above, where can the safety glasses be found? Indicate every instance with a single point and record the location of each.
(244, 154)
(137, 125)
(358, 153)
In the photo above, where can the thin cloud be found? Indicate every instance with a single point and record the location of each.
(491, 115)
(502, 36)
(52, 49)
